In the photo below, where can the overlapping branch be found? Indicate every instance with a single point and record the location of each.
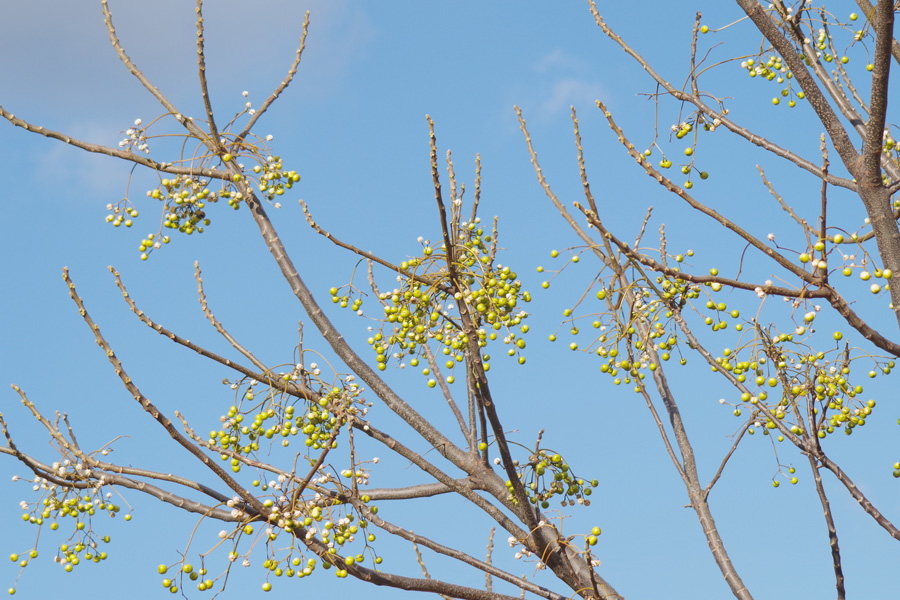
(151, 409)
(161, 167)
(292, 388)
(713, 114)
(820, 286)
(686, 465)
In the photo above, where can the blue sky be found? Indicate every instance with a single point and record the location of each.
(353, 125)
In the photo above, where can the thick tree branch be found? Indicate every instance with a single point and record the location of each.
(870, 173)
(817, 100)
(869, 11)
(872, 190)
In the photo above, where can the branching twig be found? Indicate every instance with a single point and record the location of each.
(187, 122)
(281, 86)
(151, 409)
(734, 446)
(291, 388)
(114, 479)
(714, 114)
(127, 155)
(431, 283)
(219, 327)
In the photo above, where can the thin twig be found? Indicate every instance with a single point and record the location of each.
(291, 388)
(160, 167)
(724, 462)
(784, 205)
(219, 327)
(445, 392)
(432, 283)
(151, 409)
(201, 69)
(281, 86)
(832, 531)
(713, 114)
(488, 585)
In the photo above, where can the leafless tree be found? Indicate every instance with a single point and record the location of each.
(455, 298)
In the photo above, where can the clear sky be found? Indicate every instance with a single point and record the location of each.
(353, 125)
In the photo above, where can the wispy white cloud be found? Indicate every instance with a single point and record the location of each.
(93, 175)
(570, 92)
(562, 80)
(558, 60)
(242, 51)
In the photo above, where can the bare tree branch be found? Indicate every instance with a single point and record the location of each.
(149, 407)
(687, 466)
(187, 122)
(737, 440)
(129, 156)
(693, 203)
(486, 567)
(215, 322)
(713, 114)
(113, 479)
(823, 109)
(870, 172)
(832, 532)
(201, 68)
(857, 495)
(276, 382)
(368, 255)
(281, 86)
